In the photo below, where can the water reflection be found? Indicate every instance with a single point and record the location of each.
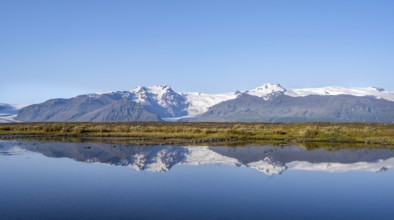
(267, 159)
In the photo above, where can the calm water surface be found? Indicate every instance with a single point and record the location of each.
(102, 181)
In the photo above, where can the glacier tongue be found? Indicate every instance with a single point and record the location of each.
(7, 118)
(198, 103)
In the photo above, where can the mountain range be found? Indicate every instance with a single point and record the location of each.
(267, 103)
(269, 160)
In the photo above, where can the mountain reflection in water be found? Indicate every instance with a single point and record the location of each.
(267, 159)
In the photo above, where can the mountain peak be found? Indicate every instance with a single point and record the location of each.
(271, 86)
(152, 89)
(160, 89)
(266, 90)
(139, 89)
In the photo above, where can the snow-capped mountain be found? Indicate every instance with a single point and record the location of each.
(187, 103)
(375, 92)
(269, 160)
(267, 103)
(160, 99)
(274, 103)
(266, 90)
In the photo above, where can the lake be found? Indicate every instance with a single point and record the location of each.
(59, 180)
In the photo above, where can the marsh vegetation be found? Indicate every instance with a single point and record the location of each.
(172, 133)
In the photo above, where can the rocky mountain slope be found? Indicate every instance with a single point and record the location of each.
(109, 108)
(312, 108)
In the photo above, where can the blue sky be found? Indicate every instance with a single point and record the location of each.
(64, 48)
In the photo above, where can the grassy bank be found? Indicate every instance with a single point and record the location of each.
(172, 133)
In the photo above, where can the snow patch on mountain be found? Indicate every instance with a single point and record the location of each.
(162, 95)
(123, 94)
(337, 90)
(266, 90)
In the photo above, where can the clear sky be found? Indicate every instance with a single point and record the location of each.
(64, 48)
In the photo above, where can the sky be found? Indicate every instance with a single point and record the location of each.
(63, 48)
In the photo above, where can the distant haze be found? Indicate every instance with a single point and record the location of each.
(65, 48)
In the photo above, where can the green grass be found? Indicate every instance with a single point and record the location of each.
(183, 132)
